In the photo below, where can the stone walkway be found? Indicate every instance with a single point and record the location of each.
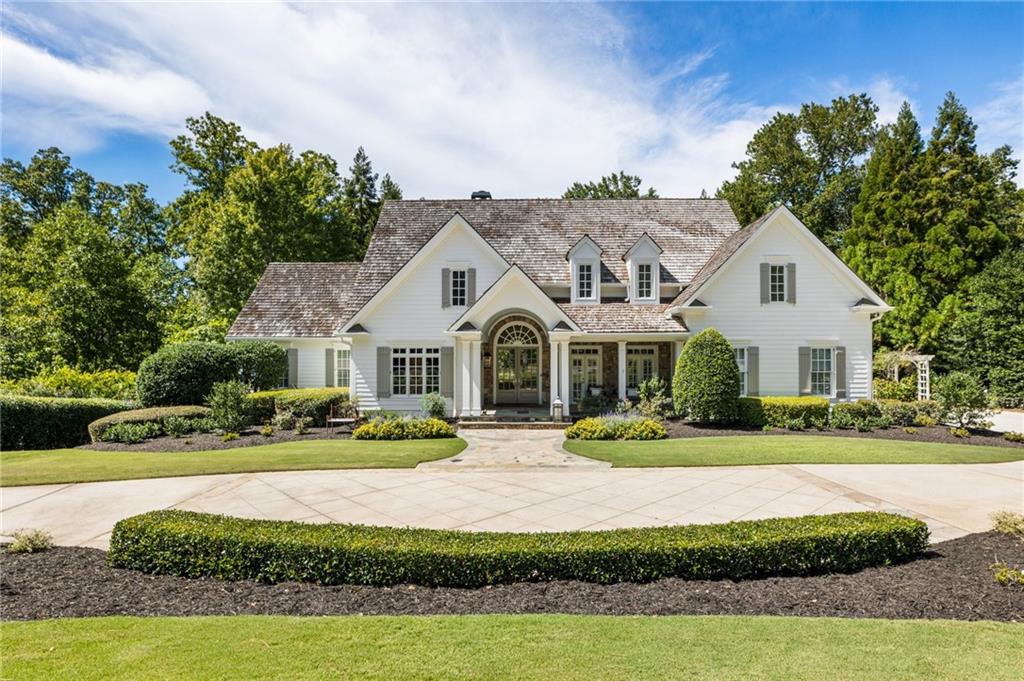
(512, 449)
(953, 499)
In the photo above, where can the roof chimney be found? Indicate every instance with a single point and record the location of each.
(480, 195)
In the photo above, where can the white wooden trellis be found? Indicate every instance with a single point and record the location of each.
(923, 366)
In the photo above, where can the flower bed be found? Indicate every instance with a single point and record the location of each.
(616, 428)
(202, 545)
(155, 416)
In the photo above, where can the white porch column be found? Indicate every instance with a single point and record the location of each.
(553, 377)
(476, 403)
(622, 370)
(565, 385)
(465, 362)
(677, 347)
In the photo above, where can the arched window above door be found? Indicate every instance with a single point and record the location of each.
(517, 334)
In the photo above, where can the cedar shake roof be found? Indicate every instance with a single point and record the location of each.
(537, 233)
(725, 251)
(623, 317)
(297, 299)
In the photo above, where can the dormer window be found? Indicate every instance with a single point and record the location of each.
(585, 281)
(644, 281)
(585, 270)
(643, 263)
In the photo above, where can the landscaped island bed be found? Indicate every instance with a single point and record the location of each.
(760, 449)
(203, 545)
(952, 581)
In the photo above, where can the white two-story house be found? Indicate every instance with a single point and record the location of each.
(525, 302)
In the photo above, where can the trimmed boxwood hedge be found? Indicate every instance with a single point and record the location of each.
(312, 402)
(152, 415)
(202, 545)
(50, 422)
(777, 412)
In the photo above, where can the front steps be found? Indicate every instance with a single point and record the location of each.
(471, 423)
(513, 418)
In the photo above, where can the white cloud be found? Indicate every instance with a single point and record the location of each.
(1001, 119)
(518, 99)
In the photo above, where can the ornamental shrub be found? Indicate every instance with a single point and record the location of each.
(131, 433)
(157, 415)
(314, 403)
(403, 428)
(706, 385)
(229, 406)
(860, 410)
(261, 364)
(962, 400)
(616, 427)
(653, 401)
(30, 541)
(779, 412)
(433, 405)
(904, 390)
(590, 428)
(185, 373)
(50, 422)
(196, 545)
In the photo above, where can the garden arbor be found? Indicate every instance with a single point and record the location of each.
(922, 365)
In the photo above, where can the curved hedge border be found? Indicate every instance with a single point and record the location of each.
(203, 545)
(150, 415)
(50, 422)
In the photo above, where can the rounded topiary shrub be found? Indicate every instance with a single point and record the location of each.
(185, 373)
(706, 385)
(261, 364)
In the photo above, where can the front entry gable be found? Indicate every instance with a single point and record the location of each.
(456, 243)
(513, 292)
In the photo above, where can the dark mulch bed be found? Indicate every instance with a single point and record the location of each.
(682, 429)
(953, 582)
(195, 442)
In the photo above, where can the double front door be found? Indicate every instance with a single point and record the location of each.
(517, 375)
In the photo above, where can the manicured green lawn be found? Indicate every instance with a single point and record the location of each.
(765, 449)
(85, 465)
(509, 647)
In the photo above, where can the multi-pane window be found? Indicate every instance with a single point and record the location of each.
(645, 281)
(415, 371)
(586, 371)
(458, 288)
(821, 371)
(641, 365)
(777, 283)
(342, 367)
(585, 281)
(741, 362)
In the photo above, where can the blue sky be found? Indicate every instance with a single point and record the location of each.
(519, 99)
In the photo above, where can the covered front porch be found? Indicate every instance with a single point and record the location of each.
(516, 347)
(521, 367)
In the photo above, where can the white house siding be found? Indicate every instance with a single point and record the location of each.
(411, 314)
(312, 359)
(821, 315)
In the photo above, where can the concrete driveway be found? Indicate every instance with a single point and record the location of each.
(953, 499)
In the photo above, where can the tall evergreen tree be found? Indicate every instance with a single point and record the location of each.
(961, 213)
(389, 189)
(361, 198)
(883, 243)
(615, 186)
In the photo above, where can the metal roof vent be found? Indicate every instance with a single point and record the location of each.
(480, 195)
